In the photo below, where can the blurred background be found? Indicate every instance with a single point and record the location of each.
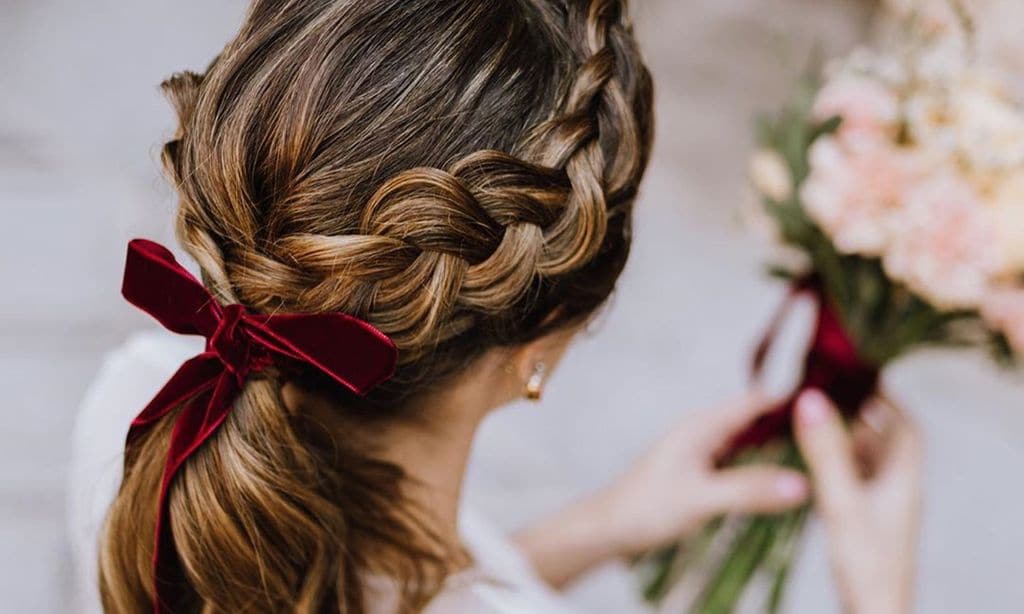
(81, 122)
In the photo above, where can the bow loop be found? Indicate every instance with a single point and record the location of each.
(155, 283)
(238, 343)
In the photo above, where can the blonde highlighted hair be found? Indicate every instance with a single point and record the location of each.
(458, 173)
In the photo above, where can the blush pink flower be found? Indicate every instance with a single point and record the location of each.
(855, 186)
(867, 106)
(942, 242)
(1004, 310)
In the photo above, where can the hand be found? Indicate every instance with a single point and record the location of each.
(867, 484)
(675, 488)
(669, 492)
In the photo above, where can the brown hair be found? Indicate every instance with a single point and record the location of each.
(461, 175)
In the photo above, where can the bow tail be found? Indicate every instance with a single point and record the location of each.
(198, 420)
(197, 375)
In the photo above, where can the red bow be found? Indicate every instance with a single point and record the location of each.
(238, 343)
(832, 365)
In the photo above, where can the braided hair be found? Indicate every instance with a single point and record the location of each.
(458, 173)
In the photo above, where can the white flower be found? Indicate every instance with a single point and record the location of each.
(930, 122)
(942, 62)
(990, 130)
(888, 68)
(937, 15)
(973, 119)
(1009, 214)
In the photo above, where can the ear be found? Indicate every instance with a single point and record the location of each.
(524, 359)
(548, 350)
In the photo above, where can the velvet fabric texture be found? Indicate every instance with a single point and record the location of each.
(832, 365)
(238, 344)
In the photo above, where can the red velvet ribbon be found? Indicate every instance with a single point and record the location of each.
(238, 343)
(832, 365)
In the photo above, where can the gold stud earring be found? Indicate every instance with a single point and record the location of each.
(535, 385)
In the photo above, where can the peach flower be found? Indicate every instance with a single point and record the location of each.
(854, 187)
(942, 242)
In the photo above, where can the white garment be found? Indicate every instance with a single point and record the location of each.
(502, 582)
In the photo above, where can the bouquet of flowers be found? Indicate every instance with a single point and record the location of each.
(897, 182)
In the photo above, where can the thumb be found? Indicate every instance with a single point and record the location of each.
(758, 489)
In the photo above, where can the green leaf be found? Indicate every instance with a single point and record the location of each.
(829, 126)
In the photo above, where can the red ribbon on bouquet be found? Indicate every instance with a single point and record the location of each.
(832, 365)
(238, 344)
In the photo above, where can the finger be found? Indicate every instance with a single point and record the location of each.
(868, 449)
(871, 434)
(718, 425)
(827, 449)
(757, 489)
(904, 458)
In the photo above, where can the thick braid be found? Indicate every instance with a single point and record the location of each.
(482, 259)
(595, 139)
(573, 143)
(507, 221)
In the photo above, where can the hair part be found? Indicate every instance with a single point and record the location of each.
(459, 174)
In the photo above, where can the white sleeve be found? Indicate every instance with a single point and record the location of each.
(483, 598)
(128, 378)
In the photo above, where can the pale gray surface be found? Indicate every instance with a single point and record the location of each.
(81, 120)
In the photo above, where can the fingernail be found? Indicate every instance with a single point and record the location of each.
(812, 408)
(792, 487)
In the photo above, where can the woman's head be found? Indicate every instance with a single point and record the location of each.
(460, 174)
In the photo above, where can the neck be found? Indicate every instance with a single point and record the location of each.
(433, 452)
(431, 445)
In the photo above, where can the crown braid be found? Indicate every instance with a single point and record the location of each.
(435, 246)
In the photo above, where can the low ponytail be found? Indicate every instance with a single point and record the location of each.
(265, 517)
(250, 507)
